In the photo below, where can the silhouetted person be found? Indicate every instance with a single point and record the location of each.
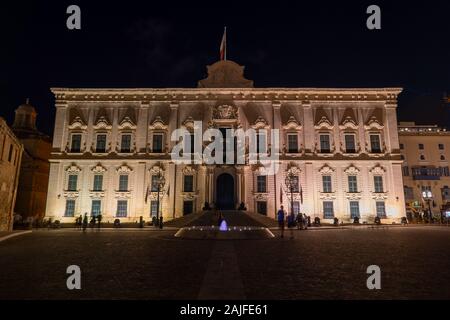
(280, 217)
(160, 221)
(99, 221)
(85, 222)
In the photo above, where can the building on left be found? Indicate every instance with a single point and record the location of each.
(10, 158)
(34, 171)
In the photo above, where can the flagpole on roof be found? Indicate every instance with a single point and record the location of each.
(225, 32)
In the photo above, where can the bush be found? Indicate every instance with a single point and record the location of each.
(317, 221)
(335, 221)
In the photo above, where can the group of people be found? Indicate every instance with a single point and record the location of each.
(82, 222)
(291, 220)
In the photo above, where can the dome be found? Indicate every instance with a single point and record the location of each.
(26, 108)
(25, 117)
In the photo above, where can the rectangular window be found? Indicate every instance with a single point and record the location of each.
(405, 171)
(420, 146)
(72, 184)
(122, 208)
(261, 183)
(101, 143)
(295, 184)
(292, 143)
(325, 143)
(375, 145)
(409, 193)
(98, 182)
(188, 183)
(326, 184)
(402, 146)
(157, 143)
(188, 143)
(350, 146)
(155, 180)
(381, 210)
(296, 206)
(123, 182)
(76, 143)
(10, 152)
(261, 144)
(352, 184)
(441, 146)
(261, 207)
(444, 171)
(188, 207)
(378, 183)
(328, 211)
(153, 208)
(125, 145)
(70, 208)
(96, 207)
(354, 209)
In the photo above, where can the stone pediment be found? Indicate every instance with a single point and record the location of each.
(225, 74)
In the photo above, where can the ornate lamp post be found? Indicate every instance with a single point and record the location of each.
(160, 182)
(428, 197)
(291, 183)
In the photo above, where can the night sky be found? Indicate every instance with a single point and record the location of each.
(282, 44)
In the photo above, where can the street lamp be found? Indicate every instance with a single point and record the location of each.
(160, 182)
(291, 182)
(428, 197)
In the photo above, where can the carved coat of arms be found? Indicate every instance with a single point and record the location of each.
(225, 112)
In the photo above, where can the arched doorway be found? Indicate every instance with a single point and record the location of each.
(225, 192)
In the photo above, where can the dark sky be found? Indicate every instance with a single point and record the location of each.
(282, 44)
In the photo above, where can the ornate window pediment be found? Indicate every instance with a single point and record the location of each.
(373, 123)
(326, 170)
(78, 123)
(351, 170)
(102, 123)
(225, 111)
(349, 123)
(189, 170)
(324, 123)
(73, 168)
(127, 123)
(259, 169)
(157, 168)
(377, 170)
(98, 168)
(158, 124)
(293, 169)
(124, 168)
(189, 123)
(260, 123)
(292, 124)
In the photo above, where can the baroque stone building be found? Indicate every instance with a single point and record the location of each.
(10, 156)
(34, 170)
(425, 150)
(110, 145)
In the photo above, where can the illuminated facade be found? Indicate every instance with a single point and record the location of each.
(341, 144)
(426, 153)
(10, 156)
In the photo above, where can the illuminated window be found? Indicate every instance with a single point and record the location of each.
(352, 184)
(381, 209)
(70, 208)
(328, 211)
(354, 209)
(326, 184)
(96, 207)
(122, 208)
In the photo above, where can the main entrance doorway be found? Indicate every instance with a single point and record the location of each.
(225, 192)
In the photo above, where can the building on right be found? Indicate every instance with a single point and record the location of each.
(425, 150)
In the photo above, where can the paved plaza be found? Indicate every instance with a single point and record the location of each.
(320, 263)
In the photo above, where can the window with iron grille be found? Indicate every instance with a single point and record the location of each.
(354, 209)
(352, 184)
(122, 208)
(72, 184)
(328, 211)
(326, 184)
(98, 182)
(378, 183)
(123, 182)
(70, 208)
(292, 143)
(261, 182)
(381, 209)
(188, 183)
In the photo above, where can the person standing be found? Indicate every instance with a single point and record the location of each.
(85, 222)
(99, 221)
(280, 217)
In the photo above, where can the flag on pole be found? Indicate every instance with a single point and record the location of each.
(301, 194)
(223, 46)
(281, 195)
(146, 195)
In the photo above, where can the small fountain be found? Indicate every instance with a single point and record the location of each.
(223, 226)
